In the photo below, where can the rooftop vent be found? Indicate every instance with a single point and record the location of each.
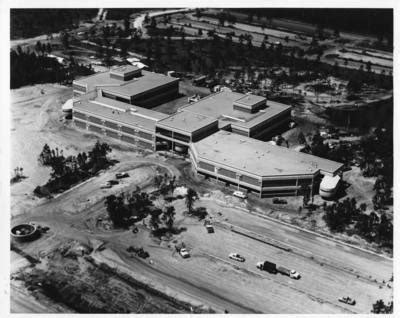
(125, 73)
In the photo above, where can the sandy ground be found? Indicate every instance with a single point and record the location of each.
(329, 270)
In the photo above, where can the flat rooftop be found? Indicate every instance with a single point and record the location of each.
(138, 85)
(259, 158)
(123, 117)
(220, 106)
(186, 121)
(151, 114)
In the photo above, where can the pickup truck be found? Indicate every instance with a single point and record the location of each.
(267, 266)
(288, 272)
(236, 257)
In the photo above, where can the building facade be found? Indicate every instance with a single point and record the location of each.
(217, 132)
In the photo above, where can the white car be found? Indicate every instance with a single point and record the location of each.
(240, 194)
(236, 257)
(184, 253)
(294, 274)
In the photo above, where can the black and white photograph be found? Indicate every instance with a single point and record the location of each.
(232, 158)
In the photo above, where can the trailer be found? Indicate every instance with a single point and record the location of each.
(267, 266)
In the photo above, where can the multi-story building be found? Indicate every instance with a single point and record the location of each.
(130, 85)
(128, 123)
(244, 114)
(256, 166)
(217, 131)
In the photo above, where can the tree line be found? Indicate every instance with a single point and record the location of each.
(26, 23)
(350, 217)
(28, 67)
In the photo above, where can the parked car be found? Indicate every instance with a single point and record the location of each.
(278, 201)
(236, 257)
(240, 194)
(112, 182)
(121, 175)
(184, 253)
(347, 300)
(105, 185)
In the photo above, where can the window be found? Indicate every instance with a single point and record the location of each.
(206, 166)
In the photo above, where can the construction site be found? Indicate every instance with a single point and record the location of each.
(196, 208)
(81, 242)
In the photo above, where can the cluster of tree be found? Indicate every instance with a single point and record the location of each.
(376, 22)
(381, 308)
(377, 153)
(43, 47)
(27, 68)
(316, 146)
(383, 193)
(25, 23)
(67, 171)
(340, 216)
(207, 56)
(224, 16)
(164, 184)
(363, 76)
(18, 175)
(374, 153)
(125, 210)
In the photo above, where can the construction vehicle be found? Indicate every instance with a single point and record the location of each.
(209, 228)
(267, 266)
(181, 249)
(288, 272)
(347, 300)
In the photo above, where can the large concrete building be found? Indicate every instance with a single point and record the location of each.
(256, 166)
(218, 132)
(128, 123)
(244, 114)
(131, 85)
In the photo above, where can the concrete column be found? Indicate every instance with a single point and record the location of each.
(311, 191)
(238, 175)
(216, 169)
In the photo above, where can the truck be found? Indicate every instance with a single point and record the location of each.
(288, 272)
(267, 266)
